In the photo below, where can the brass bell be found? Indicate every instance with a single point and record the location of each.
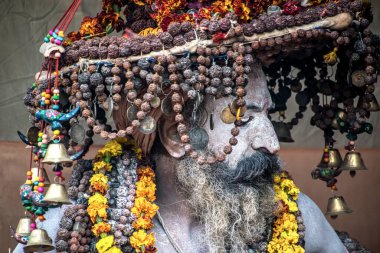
(336, 205)
(42, 172)
(335, 159)
(57, 194)
(56, 153)
(373, 105)
(353, 161)
(282, 131)
(39, 241)
(23, 226)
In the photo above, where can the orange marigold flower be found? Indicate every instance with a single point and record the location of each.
(146, 171)
(144, 207)
(143, 223)
(141, 240)
(101, 227)
(146, 189)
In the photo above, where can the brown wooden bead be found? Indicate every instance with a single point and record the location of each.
(176, 98)
(233, 141)
(227, 149)
(175, 87)
(152, 87)
(211, 159)
(179, 118)
(137, 102)
(177, 108)
(129, 85)
(185, 138)
(181, 128)
(235, 131)
(240, 102)
(140, 115)
(194, 154)
(127, 65)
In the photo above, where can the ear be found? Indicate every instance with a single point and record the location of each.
(167, 130)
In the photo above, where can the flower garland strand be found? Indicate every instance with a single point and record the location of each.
(144, 210)
(98, 203)
(285, 236)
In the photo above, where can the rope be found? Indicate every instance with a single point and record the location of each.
(170, 237)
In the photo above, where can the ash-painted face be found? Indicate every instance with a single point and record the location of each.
(257, 134)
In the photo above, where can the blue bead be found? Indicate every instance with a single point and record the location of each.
(55, 107)
(60, 38)
(46, 39)
(55, 35)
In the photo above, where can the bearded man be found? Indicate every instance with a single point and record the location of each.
(226, 206)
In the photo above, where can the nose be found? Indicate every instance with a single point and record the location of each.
(263, 136)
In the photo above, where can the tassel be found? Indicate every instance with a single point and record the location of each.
(331, 57)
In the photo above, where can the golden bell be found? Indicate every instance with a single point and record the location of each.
(335, 159)
(57, 194)
(373, 105)
(23, 226)
(39, 241)
(56, 153)
(336, 205)
(41, 173)
(353, 161)
(282, 131)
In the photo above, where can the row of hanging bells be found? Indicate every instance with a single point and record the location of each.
(56, 194)
(352, 162)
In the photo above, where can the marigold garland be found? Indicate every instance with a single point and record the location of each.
(285, 236)
(144, 209)
(97, 203)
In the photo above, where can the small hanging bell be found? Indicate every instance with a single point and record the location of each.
(42, 172)
(23, 226)
(57, 194)
(39, 241)
(56, 153)
(282, 131)
(335, 159)
(336, 205)
(353, 161)
(373, 105)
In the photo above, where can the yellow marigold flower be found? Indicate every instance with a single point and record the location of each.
(143, 223)
(114, 249)
(146, 172)
(98, 199)
(143, 206)
(97, 207)
(104, 244)
(292, 206)
(101, 227)
(102, 165)
(140, 239)
(276, 179)
(99, 183)
(146, 190)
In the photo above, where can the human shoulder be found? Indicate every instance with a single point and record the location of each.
(320, 237)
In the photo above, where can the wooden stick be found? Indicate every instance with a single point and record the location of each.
(338, 22)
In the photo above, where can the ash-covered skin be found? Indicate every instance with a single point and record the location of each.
(255, 135)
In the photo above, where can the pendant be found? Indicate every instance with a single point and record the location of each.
(166, 106)
(227, 117)
(132, 113)
(148, 125)
(77, 133)
(155, 102)
(198, 138)
(32, 135)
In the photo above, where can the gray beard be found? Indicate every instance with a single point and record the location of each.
(233, 205)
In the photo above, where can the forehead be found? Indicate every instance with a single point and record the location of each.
(257, 93)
